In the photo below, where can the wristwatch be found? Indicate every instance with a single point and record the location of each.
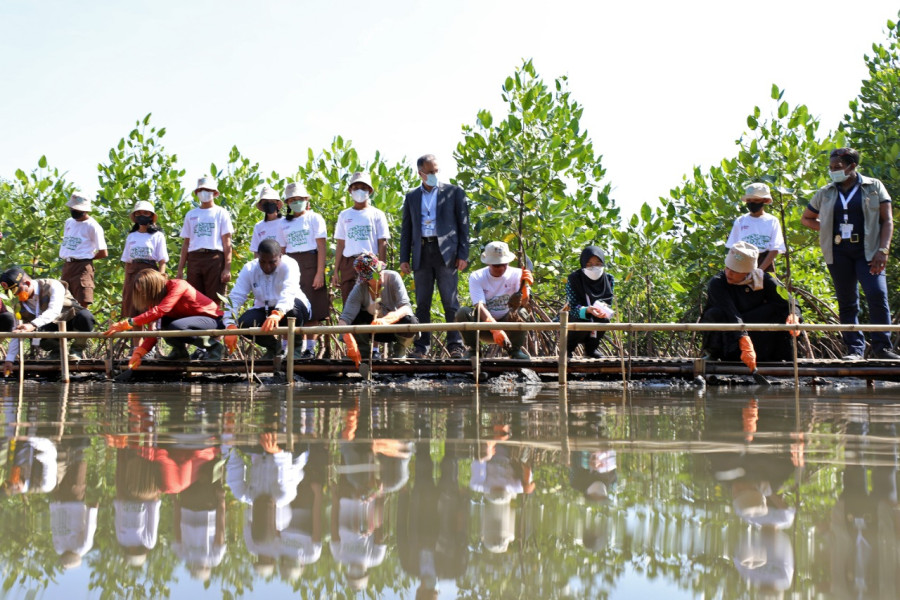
(886, 250)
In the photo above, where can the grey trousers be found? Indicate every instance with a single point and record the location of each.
(433, 269)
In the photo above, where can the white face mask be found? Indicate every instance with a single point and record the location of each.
(299, 206)
(593, 273)
(359, 196)
(205, 196)
(838, 176)
(431, 180)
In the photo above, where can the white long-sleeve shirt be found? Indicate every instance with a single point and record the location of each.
(277, 290)
(274, 474)
(33, 305)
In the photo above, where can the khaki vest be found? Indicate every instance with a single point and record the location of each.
(69, 308)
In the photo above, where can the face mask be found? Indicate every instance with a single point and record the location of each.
(205, 196)
(270, 208)
(838, 176)
(76, 214)
(754, 207)
(431, 180)
(593, 273)
(299, 206)
(359, 196)
(22, 295)
(143, 220)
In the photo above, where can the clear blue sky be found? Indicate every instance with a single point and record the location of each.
(665, 85)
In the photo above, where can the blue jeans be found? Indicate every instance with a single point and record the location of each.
(849, 270)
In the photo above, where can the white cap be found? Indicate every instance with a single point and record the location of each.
(742, 257)
(497, 253)
(295, 190)
(79, 201)
(207, 183)
(267, 193)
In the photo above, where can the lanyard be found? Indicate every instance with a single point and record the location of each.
(845, 200)
(429, 200)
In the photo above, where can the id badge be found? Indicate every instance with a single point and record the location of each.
(846, 230)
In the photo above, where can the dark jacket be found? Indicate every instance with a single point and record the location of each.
(452, 226)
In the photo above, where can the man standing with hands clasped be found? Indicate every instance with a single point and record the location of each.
(434, 238)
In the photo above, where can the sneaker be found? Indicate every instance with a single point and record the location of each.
(418, 353)
(885, 354)
(518, 354)
(306, 354)
(852, 357)
(198, 354)
(215, 351)
(457, 352)
(76, 354)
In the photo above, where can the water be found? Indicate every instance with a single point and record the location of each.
(207, 491)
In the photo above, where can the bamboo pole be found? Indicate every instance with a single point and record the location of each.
(476, 365)
(292, 323)
(64, 353)
(563, 345)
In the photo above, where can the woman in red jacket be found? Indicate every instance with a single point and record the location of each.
(180, 307)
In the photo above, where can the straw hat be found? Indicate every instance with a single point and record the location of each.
(742, 257)
(361, 177)
(295, 190)
(79, 201)
(207, 183)
(756, 192)
(497, 253)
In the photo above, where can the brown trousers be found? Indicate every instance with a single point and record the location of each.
(204, 272)
(348, 276)
(131, 271)
(79, 276)
(318, 298)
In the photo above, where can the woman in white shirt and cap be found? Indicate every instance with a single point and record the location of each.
(145, 248)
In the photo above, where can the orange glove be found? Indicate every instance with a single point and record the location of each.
(272, 320)
(378, 321)
(231, 341)
(527, 277)
(352, 349)
(792, 320)
(117, 327)
(748, 354)
(135, 361)
(499, 337)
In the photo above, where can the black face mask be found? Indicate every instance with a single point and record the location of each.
(755, 207)
(270, 208)
(143, 220)
(76, 214)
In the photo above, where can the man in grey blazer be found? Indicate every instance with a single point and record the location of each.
(434, 239)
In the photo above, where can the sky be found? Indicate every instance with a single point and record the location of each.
(665, 86)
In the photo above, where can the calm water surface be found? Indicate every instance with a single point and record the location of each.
(208, 491)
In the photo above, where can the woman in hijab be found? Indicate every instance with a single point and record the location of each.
(589, 292)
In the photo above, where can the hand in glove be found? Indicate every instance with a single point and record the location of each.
(352, 349)
(527, 277)
(500, 338)
(272, 320)
(378, 321)
(792, 320)
(117, 327)
(748, 354)
(135, 361)
(231, 341)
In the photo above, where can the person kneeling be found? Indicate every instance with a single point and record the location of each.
(42, 305)
(741, 293)
(589, 292)
(378, 298)
(179, 307)
(491, 289)
(274, 281)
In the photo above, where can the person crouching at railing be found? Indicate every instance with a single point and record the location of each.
(742, 293)
(42, 305)
(589, 293)
(180, 307)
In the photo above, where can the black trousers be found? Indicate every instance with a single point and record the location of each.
(584, 337)
(769, 345)
(255, 317)
(82, 321)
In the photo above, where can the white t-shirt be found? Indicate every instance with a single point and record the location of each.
(361, 230)
(82, 239)
(268, 230)
(137, 522)
(763, 231)
(302, 232)
(494, 291)
(204, 227)
(73, 525)
(145, 246)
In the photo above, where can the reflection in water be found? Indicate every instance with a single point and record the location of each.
(384, 494)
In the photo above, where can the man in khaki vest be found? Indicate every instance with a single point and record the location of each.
(42, 305)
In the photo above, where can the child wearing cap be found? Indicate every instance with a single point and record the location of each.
(83, 241)
(206, 250)
(145, 248)
(271, 227)
(305, 233)
(758, 228)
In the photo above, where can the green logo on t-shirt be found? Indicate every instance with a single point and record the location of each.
(71, 242)
(759, 240)
(204, 229)
(359, 233)
(298, 237)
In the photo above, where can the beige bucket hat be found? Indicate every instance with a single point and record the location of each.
(742, 257)
(143, 205)
(361, 177)
(207, 183)
(756, 192)
(267, 193)
(79, 201)
(295, 190)
(497, 253)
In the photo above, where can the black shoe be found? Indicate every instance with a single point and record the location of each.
(307, 354)
(885, 354)
(457, 352)
(595, 353)
(419, 353)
